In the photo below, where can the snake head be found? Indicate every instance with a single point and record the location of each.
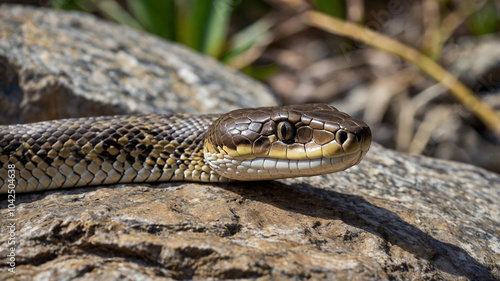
(289, 141)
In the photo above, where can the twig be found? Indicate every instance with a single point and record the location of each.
(464, 95)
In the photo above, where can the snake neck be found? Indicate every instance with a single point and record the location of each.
(189, 164)
(105, 150)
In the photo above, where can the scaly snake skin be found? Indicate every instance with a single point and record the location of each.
(247, 144)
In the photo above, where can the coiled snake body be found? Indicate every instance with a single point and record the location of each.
(247, 144)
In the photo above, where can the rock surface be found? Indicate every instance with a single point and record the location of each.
(393, 217)
(57, 65)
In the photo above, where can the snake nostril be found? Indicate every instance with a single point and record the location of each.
(341, 137)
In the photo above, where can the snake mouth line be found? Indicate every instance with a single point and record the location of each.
(270, 168)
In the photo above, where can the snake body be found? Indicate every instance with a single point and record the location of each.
(247, 144)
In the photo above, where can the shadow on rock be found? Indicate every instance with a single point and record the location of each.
(359, 213)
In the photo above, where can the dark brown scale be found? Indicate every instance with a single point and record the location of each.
(258, 116)
(251, 135)
(35, 148)
(304, 134)
(294, 116)
(130, 159)
(256, 127)
(57, 134)
(242, 120)
(8, 139)
(46, 135)
(94, 140)
(241, 127)
(69, 132)
(316, 124)
(261, 145)
(147, 150)
(230, 126)
(109, 131)
(275, 115)
(130, 136)
(141, 146)
(42, 153)
(269, 128)
(26, 156)
(77, 152)
(83, 130)
(179, 139)
(81, 142)
(141, 158)
(221, 137)
(94, 131)
(88, 136)
(46, 158)
(306, 119)
(51, 140)
(200, 141)
(63, 138)
(116, 136)
(122, 131)
(176, 154)
(322, 137)
(240, 140)
(107, 143)
(348, 124)
(139, 136)
(131, 145)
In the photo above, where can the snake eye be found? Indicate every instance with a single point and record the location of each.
(285, 131)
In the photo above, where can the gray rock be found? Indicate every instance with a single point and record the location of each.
(57, 65)
(393, 217)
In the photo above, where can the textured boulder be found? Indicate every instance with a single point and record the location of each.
(393, 217)
(57, 65)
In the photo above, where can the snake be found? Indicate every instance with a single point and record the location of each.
(251, 144)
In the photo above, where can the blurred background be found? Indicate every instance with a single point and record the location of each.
(425, 75)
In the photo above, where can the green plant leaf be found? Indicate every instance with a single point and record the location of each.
(334, 8)
(486, 20)
(157, 17)
(260, 72)
(113, 10)
(249, 37)
(217, 23)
